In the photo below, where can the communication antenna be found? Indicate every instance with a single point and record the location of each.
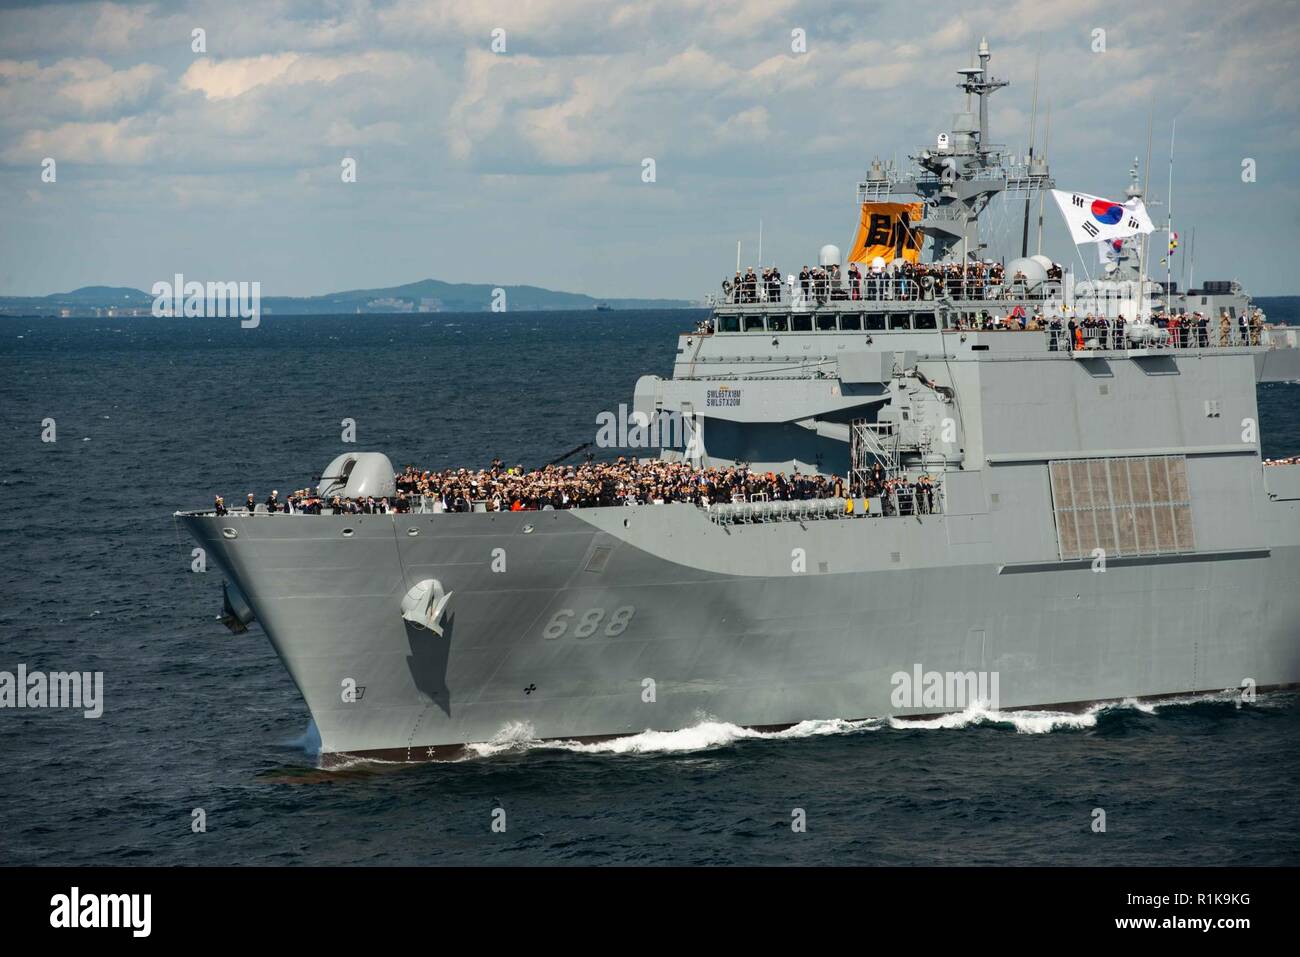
(1033, 116)
(1033, 111)
(1047, 136)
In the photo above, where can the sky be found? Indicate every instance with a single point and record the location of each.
(525, 164)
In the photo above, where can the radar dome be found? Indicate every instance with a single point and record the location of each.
(1033, 272)
(829, 256)
(1043, 261)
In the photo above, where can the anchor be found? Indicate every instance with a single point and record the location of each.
(425, 603)
(236, 614)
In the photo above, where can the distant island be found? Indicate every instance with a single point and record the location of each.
(427, 295)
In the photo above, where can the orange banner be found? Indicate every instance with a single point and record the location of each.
(886, 231)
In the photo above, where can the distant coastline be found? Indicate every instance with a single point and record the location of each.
(429, 296)
(424, 297)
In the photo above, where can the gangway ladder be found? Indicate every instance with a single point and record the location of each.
(869, 443)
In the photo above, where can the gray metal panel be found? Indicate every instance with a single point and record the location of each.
(1282, 482)
(964, 493)
(861, 367)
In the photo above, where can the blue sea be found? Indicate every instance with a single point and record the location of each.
(152, 415)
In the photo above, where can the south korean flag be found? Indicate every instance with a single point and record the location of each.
(1094, 219)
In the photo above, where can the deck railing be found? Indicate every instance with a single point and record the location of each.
(883, 289)
(757, 508)
(1181, 338)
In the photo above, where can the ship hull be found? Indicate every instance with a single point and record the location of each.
(591, 624)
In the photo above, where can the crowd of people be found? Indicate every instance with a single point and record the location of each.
(818, 284)
(1289, 460)
(753, 288)
(1175, 331)
(625, 481)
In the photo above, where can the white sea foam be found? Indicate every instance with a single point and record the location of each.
(708, 732)
(515, 736)
(1226, 696)
(1025, 722)
(1041, 722)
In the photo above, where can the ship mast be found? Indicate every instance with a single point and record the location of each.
(961, 173)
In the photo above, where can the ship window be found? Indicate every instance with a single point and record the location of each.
(753, 323)
(801, 323)
(925, 320)
(826, 323)
(851, 322)
(776, 323)
(729, 323)
(1232, 311)
(901, 320)
(874, 320)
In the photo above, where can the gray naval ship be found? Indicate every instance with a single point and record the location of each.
(1104, 526)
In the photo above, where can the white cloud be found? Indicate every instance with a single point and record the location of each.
(83, 86)
(710, 88)
(224, 79)
(120, 142)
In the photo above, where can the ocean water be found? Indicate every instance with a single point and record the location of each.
(154, 415)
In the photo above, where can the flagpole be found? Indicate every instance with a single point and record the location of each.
(1173, 128)
(1142, 257)
(1047, 137)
